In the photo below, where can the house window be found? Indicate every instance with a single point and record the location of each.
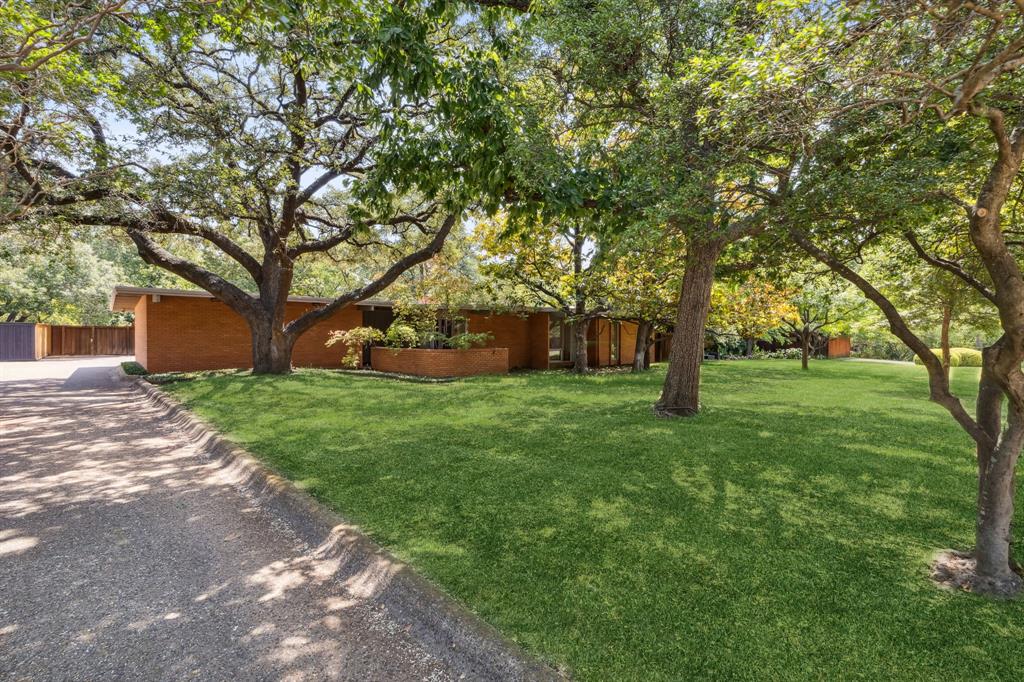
(446, 328)
(561, 341)
(614, 356)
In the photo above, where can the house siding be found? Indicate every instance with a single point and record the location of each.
(190, 333)
(440, 362)
(187, 334)
(627, 343)
(525, 336)
(539, 324)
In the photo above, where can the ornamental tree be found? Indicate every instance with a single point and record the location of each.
(643, 283)
(817, 309)
(268, 140)
(941, 86)
(682, 145)
(751, 309)
(558, 263)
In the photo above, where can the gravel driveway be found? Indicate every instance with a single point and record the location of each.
(125, 555)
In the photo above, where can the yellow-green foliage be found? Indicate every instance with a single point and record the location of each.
(958, 357)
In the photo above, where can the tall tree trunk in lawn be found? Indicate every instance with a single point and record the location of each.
(271, 349)
(643, 343)
(271, 343)
(805, 349)
(947, 316)
(579, 365)
(997, 461)
(680, 395)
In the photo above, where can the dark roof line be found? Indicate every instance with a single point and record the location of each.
(124, 290)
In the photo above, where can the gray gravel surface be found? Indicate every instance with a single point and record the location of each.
(124, 554)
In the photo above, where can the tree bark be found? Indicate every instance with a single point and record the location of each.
(271, 348)
(643, 343)
(997, 462)
(748, 347)
(579, 365)
(680, 396)
(805, 349)
(995, 515)
(947, 316)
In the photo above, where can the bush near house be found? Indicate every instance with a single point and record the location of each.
(134, 369)
(958, 357)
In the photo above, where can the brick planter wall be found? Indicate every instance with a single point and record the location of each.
(429, 362)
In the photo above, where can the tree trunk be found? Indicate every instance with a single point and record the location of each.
(805, 349)
(271, 349)
(996, 485)
(995, 515)
(947, 315)
(643, 343)
(748, 345)
(680, 395)
(579, 365)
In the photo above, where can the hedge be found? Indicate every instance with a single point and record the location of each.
(958, 357)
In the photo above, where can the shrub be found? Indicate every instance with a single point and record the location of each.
(354, 340)
(881, 350)
(782, 354)
(401, 336)
(134, 369)
(468, 340)
(958, 357)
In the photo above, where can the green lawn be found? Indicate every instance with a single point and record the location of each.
(783, 533)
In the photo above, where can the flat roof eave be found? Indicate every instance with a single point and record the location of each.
(124, 298)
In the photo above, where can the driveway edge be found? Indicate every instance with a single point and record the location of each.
(447, 629)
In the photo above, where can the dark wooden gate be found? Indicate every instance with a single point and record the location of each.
(17, 341)
(67, 340)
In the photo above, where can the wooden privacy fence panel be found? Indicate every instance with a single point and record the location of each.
(839, 347)
(17, 341)
(67, 340)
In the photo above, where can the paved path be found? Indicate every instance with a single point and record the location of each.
(124, 555)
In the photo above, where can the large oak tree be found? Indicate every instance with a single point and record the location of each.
(270, 138)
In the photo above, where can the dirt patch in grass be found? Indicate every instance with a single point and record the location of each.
(954, 570)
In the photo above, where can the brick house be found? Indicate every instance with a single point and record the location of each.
(179, 330)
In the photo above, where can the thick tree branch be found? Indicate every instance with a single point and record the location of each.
(304, 322)
(154, 254)
(937, 380)
(949, 266)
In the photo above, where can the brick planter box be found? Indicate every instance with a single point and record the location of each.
(430, 362)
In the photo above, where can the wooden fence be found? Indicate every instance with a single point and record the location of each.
(68, 340)
(839, 347)
(18, 341)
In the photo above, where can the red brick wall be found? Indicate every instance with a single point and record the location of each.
(310, 350)
(429, 362)
(507, 331)
(184, 333)
(538, 331)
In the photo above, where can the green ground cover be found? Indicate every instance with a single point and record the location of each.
(784, 533)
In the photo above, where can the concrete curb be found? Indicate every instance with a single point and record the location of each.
(470, 647)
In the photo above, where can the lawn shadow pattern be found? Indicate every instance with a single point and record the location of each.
(783, 533)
